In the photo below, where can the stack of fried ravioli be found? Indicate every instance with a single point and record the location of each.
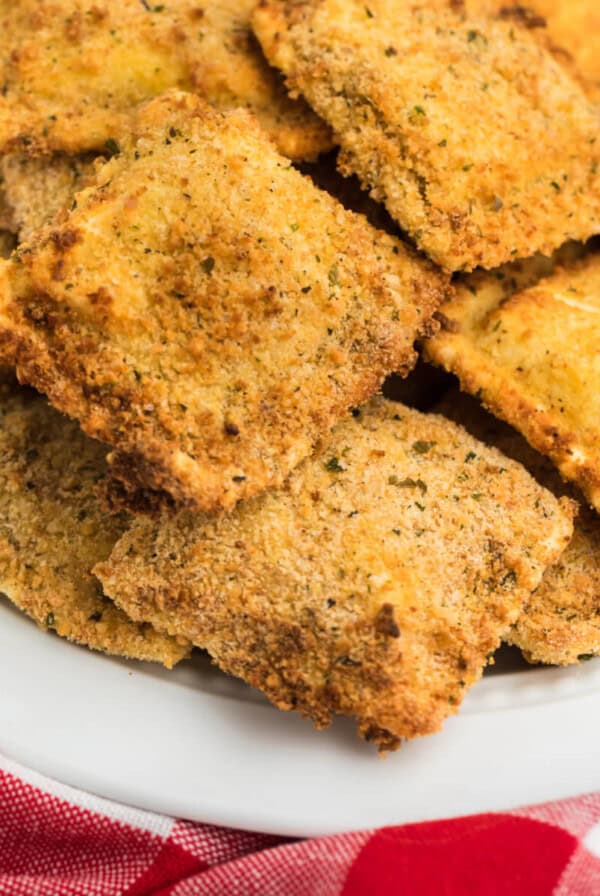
(198, 316)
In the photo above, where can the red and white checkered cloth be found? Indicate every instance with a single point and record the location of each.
(56, 841)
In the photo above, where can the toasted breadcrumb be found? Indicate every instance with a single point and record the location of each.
(456, 115)
(560, 623)
(374, 585)
(532, 357)
(573, 27)
(53, 531)
(207, 310)
(36, 190)
(73, 71)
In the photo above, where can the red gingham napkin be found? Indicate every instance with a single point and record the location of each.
(56, 841)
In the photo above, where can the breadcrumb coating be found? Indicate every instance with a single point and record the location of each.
(374, 585)
(456, 115)
(73, 70)
(574, 33)
(36, 189)
(560, 623)
(53, 531)
(209, 312)
(531, 356)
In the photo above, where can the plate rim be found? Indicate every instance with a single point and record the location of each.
(97, 735)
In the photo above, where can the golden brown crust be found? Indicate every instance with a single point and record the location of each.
(53, 531)
(207, 311)
(36, 190)
(532, 358)
(374, 585)
(574, 32)
(456, 116)
(73, 71)
(560, 623)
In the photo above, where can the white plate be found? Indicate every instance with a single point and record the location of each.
(195, 744)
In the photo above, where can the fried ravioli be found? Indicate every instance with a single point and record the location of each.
(560, 623)
(207, 310)
(37, 189)
(73, 70)
(374, 585)
(456, 115)
(532, 358)
(53, 531)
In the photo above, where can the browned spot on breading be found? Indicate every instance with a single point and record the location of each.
(385, 623)
(524, 15)
(64, 239)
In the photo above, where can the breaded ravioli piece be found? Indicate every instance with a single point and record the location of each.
(532, 358)
(36, 189)
(573, 27)
(456, 115)
(73, 70)
(53, 531)
(207, 310)
(560, 623)
(374, 585)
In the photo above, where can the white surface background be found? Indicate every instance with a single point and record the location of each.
(198, 745)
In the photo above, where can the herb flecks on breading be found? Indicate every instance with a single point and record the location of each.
(375, 584)
(53, 530)
(169, 311)
(479, 142)
(72, 71)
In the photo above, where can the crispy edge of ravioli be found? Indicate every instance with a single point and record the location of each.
(560, 622)
(73, 72)
(326, 175)
(53, 531)
(455, 115)
(531, 356)
(374, 585)
(199, 309)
